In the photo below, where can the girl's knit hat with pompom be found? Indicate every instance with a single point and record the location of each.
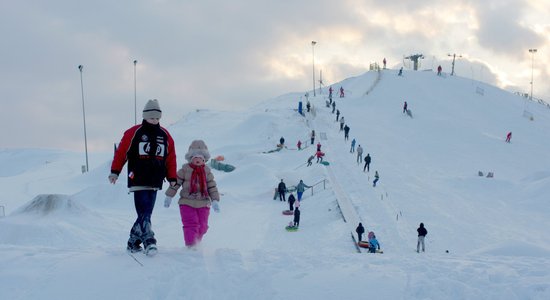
(197, 149)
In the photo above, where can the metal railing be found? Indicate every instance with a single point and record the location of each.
(317, 183)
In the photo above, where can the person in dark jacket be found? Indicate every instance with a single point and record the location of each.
(405, 107)
(337, 115)
(291, 201)
(312, 136)
(346, 132)
(282, 141)
(309, 160)
(282, 190)
(333, 106)
(367, 163)
(360, 230)
(422, 232)
(151, 155)
(296, 217)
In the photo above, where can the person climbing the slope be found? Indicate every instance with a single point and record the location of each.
(360, 230)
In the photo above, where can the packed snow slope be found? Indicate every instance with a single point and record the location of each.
(64, 233)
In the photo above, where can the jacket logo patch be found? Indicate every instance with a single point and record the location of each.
(144, 138)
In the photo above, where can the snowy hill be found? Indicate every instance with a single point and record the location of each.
(64, 233)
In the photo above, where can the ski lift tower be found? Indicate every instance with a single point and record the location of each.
(414, 58)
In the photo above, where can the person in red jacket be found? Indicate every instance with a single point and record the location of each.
(151, 155)
(508, 137)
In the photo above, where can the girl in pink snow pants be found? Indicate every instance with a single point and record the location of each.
(198, 193)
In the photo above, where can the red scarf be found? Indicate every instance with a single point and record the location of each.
(198, 178)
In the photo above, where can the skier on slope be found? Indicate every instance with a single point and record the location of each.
(508, 137)
(352, 149)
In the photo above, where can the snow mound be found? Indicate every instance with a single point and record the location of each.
(46, 204)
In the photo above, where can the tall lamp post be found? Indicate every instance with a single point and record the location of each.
(313, 59)
(532, 51)
(453, 67)
(135, 94)
(80, 67)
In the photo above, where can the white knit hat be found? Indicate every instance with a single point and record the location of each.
(197, 149)
(152, 110)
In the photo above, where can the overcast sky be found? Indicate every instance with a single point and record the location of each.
(229, 55)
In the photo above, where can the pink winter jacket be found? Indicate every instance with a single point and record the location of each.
(195, 200)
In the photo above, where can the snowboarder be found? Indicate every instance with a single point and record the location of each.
(282, 190)
(352, 149)
(342, 122)
(341, 92)
(297, 216)
(299, 145)
(333, 106)
(373, 243)
(384, 61)
(376, 177)
(291, 201)
(360, 230)
(149, 150)
(367, 163)
(300, 188)
(359, 154)
(337, 114)
(400, 72)
(312, 136)
(198, 193)
(309, 160)
(346, 132)
(508, 137)
(405, 107)
(422, 232)
(439, 69)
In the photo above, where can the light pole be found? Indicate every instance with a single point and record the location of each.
(80, 67)
(453, 67)
(135, 94)
(532, 51)
(313, 59)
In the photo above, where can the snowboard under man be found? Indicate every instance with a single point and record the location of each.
(151, 155)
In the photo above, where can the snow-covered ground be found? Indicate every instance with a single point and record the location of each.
(488, 237)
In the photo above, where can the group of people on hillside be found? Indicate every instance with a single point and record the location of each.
(150, 152)
(374, 245)
(293, 203)
(344, 127)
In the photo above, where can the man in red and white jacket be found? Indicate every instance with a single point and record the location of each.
(151, 155)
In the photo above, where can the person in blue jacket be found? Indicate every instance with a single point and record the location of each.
(300, 188)
(373, 244)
